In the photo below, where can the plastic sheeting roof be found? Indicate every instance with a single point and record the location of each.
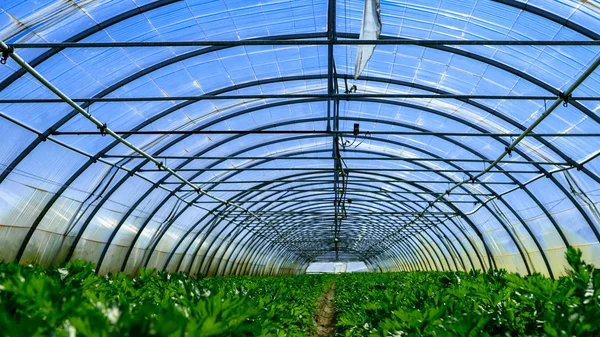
(65, 196)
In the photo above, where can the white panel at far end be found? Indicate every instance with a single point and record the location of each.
(337, 267)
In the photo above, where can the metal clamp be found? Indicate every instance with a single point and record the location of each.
(5, 54)
(565, 99)
(575, 164)
(44, 136)
(103, 129)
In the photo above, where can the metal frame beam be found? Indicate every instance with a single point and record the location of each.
(199, 232)
(338, 96)
(285, 42)
(317, 132)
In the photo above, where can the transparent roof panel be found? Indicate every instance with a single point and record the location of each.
(231, 139)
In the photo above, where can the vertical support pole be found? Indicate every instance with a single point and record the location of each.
(333, 103)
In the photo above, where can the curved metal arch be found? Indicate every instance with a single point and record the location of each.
(497, 218)
(125, 81)
(392, 263)
(399, 182)
(463, 247)
(196, 253)
(208, 265)
(221, 260)
(587, 112)
(120, 183)
(240, 248)
(465, 219)
(442, 223)
(272, 265)
(209, 223)
(542, 208)
(448, 49)
(140, 10)
(212, 147)
(109, 147)
(258, 267)
(320, 206)
(450, 250)
(201, 263)
(209, 248)
(402, 253)
(84, 34)
(527, 7)
(236, 250)
(262, 262)
(264, 259)
(399, 204)
(276, 270)
(251, 268)
(418, 246)
(556, 227)
(440, 238)
(541, 139)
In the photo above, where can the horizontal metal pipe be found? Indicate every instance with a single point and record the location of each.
(320, 132)
(331, 189)
(464, 160)
(288, 96)
(332, 215)
(396, 181)
(315, 219)
(354, 200)
(354, 224)
(258, 42)
(276, 212)
(354, 169)
(325, 181)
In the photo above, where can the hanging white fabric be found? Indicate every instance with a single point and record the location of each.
(370, 30)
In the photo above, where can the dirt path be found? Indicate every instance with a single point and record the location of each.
(325, 316)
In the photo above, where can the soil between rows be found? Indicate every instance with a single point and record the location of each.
(324, 318)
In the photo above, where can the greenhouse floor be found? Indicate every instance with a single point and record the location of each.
(73, 301)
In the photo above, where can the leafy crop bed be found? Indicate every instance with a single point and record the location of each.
(495, 303)
(73, 301)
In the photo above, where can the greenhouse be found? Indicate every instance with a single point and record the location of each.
(445, 149)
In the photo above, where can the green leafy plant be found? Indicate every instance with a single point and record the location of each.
(493, 303)
(71, 299)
